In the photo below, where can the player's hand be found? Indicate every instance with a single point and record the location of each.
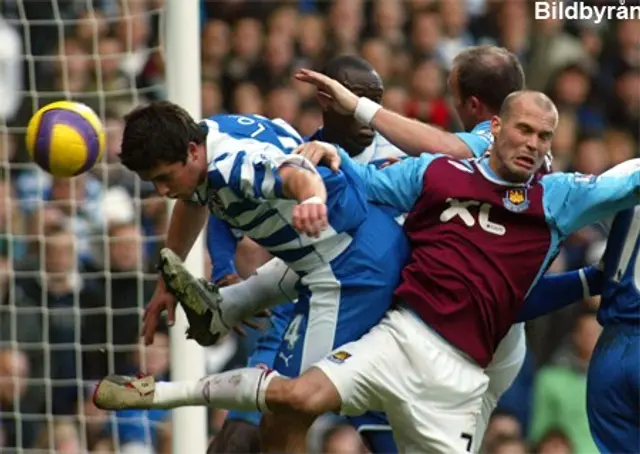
(310, 217)
(320, 152)
(162, 299)
(330, 91)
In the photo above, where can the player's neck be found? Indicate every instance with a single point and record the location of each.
(485, 115)
(203, 164)
(500, 171)
(352, 148)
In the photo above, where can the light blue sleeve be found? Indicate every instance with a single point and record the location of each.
(572, 201)
(398, 185)
(478, 144)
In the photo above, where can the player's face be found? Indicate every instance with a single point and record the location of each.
(522, 140)
(344, 129)
(175, 180)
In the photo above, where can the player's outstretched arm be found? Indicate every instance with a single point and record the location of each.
(414, 137)
(398, 185)
(573, 201)
(410, 136)
(555, 291)
(271, 285)
(187, 221)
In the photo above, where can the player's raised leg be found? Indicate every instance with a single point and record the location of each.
(359, 376)
(240, 432)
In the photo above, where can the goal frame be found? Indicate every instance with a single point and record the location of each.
(182, 62)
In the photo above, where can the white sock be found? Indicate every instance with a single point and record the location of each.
(238, 389)
(272, 284)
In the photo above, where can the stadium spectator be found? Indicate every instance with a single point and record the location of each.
(560, 388)
(555, 441)
(502, 424)
(507, 444)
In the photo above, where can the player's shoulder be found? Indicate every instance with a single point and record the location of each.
(479, 140)
(466, 165)
(233, 124)
(419, 166)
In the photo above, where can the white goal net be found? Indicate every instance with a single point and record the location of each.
(76, 256)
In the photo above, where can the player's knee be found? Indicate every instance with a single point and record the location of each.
(313, 394)
(236, 437)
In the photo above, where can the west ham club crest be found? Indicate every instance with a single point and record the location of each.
(516, 200)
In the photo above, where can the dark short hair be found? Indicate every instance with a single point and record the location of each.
(343, 68)
(157, 133)
(489, 73)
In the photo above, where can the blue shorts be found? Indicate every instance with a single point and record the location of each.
(613, 390)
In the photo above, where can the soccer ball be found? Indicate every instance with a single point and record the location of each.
(65, 138)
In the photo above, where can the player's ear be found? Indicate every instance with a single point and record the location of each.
(193, 150)
(496, 125)
(324, 100)
(474, 103)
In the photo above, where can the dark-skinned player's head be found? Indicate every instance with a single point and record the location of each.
(358, 76)
(523, 131)
(164, 145)
(481, 79)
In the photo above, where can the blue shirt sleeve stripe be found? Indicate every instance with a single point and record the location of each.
(258, 179)
(235, 177)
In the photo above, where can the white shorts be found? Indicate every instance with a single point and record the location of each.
(503, 370)
(431, 393)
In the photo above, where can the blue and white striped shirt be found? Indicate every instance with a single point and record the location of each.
(244, 189)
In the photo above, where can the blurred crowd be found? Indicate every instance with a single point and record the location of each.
(77, 256)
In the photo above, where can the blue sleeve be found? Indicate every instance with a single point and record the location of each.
(398, 185)
(573, 201)
(222, 245)
(478, 144)
(555, 291)
(346, 198)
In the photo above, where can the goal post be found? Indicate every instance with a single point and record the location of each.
(182, 61)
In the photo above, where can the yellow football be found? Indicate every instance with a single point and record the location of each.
(65, 138)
